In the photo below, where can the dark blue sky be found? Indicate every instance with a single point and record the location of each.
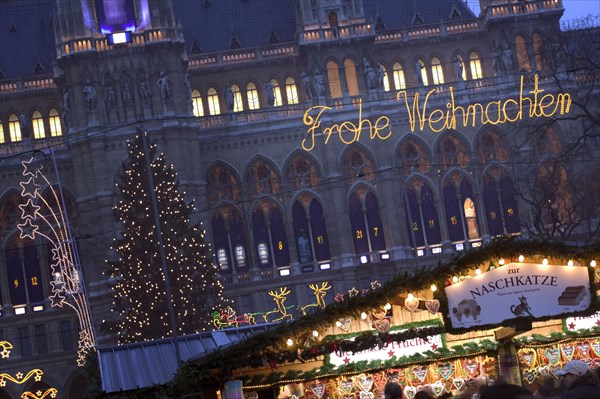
(573, 8)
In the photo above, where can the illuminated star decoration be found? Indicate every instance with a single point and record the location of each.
(2, 382)
(27, 229)
(375, 285)
(339, 297)
(353, 292)
(29, 210)
(51, 392)
(32, 168)
(57, 299)
(19, 375)
(6, 347)
(30, 188)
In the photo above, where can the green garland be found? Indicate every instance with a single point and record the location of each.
(538, 339)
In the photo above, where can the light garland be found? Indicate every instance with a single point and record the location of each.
(51, 392)
(66, 285)
(6, 348)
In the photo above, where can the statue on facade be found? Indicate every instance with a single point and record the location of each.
(507, 59)
(24, 123)
(380, 76)
(126, 90)
(164, 83)
(418, 68)
(497, 61)
(66, 105)
(229, 99)
(319, 83)
(370, 75)
(458, 68)
(144, 89)
(270, 93)
(110, 94)
(89, 93)
(308, 86)
(188, 86)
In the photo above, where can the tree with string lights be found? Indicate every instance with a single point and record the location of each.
(136, 275)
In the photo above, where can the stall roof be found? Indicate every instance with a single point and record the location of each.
(145, 364)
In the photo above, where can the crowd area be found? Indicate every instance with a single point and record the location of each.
(575, 381)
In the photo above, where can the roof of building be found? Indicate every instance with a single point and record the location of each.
(145, 364)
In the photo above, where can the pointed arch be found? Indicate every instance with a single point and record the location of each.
(302, 170)
(10, 213)
(385, 77)
(475, 65)
(437, 71)
(310, 232)
(414, 155)
(365, 220)
(198, 108)
(452, 149)
(214, 107)
(223, 183)
(461, 210)
(351, 77)
(399, 76)
(14, 128)
(522, 53)
(538, 51)
(491, 145)
(357, 162)
(54, 122)
(333, 77)
(262, 177)
(499, 196)
(23, 271)
(229, 239)
(238, 102)
(37, 123)
(269, 232)
(252, 96)
(421, 211)
(291, 91)
(422, 72)
(547, 141)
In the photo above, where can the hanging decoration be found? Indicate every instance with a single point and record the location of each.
(6, 348)
(319, 293)
(67, 287)
(48, 393)
(279, 298)
(20, 378)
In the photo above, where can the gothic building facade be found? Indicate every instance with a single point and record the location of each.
(292, 125)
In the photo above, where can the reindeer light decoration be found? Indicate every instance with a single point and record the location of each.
(320, 293)
(279, 298)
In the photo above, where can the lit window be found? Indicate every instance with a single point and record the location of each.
(475, 64)
(54, 122)
(238, 104)
(277, 93)
(522, 54)
(1, 133)
(399, 80)
(252, 96)
(471, 218)
(386, 78)
(38, 125)
(197, 104)
(351, 79)
(240, 255)
(437, 71)
(213, 102)
(14, 128)
(423, 70)
(222, 259)
(263, 253)
(291, 91)
(333, 77)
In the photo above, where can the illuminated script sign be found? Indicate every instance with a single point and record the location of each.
(533, 104)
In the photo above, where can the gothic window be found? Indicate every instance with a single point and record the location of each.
(414, 157)
(422, 216)
(10, 214)
(14, 128)
(538, 51)
(2, 138)
(277, 93)
(437, 71)
(475, 64)
(310, 232)
(302, 172)
(238, 103)
(385, 78)
(500, 202)
(399, 79)
(546, 141)
(222, 184)
(491, 147)
(358, 165)
(54, 122)
(213, 102)
(423, 72)
(522, 53)
(261, 178)
(37, 122)
(452, 152)
(23, 272)
(291, 91)
(270, 236)
(333, 77)
(198, 108)
(333, 20)
(252, 96)
(351, 79)
(461, 213)
(367, 228)
(229, 240)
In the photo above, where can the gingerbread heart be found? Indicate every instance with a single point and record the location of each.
(412, 304)
(438, 387)
(318, 389)
(344, 324)
(552, 355)
(445, 369)
(567, 351)
(410, 392)
(583, 349)
(346, 386)
(528, 357)
(597, 274)
(472, 367)
(459, 383)
(529, 375)
(382, 326)
(420, 372)
(379, 313)
(366, 383)
(596, 348)
(366, 395)
(433, 305)
(543, 370)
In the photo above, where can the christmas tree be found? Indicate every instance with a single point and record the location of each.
(138, 282)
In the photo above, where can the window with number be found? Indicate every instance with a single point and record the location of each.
(23, 272)
(422, 215)
(229, 239)
(461, 213)
(269, 235)
(54, 122)
(291, 91)
(197, 106)
(500, 201)
(37, 122)
(310, 232)
(367, 228)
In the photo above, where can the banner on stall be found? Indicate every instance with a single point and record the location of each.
(518, 290)
(581, 323)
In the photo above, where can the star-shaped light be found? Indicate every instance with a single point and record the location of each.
(391, 353)
(57, 286)
(346, 360)
(53, 393)
(5, 353)
(56, 254)
(29, 209)
(31, 168)
(57, 299)
(19, 375)
(375, 285)
(353, 292)
(38, 393)
(38, 376)
(30, 188)
(28, 229)
(2, 382)
(339, 297)
(571, 326)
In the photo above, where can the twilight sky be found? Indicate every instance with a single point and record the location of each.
(573, 8)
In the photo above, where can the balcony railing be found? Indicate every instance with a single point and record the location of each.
(330, 34)
(512, 9)
(242, 56)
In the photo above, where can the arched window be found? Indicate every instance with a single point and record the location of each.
(261, 178)
(422, 216)
(14, 128)
(461, 213)
(351, 79)
(252, 96)
(437, 71)
(538, 51)
(238, 103)
(452, 152)
(302, 172)
(500, 202)
(222, 184)
(229, 240)
(269, 236)
(278, 100)
(385, 78)
(491, 147)
(2, 138)
(291, 91)
(197, 104)
(310, 232)
(463, 69)
(399, 79)
(214, 107)
(37, 122)
(358, 165)
(367, 228)
(54, 122)
(414, 157)
(475, 64)
(522, 53)
(23, 272)
(333, 77)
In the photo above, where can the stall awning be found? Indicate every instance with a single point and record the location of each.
(145, 364)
